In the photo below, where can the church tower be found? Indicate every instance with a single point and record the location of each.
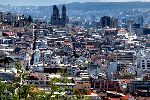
(55, 18)
(64, 17)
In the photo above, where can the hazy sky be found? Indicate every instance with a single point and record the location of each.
(51, 2)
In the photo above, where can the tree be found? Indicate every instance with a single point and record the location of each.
(18, 65)
(7, 91)
(24, 91)
(2, 88)
(6, 60)
(20, 73)
(79, 95)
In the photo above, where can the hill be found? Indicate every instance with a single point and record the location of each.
(107, 5)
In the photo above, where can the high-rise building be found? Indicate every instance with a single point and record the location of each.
(93, 18)
(129, 22)
(134, 27)
(114, 23)
(140, 20)
(105, 21)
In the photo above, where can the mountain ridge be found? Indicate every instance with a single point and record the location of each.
(107, 5)
(87, 6)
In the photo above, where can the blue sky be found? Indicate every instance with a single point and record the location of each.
(51, 2)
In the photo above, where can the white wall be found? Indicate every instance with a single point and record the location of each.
(112, 68)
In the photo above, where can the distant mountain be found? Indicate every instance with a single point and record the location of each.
(107, 5)
(46, 11)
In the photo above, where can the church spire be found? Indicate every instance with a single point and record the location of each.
(56, 19)
(64, 11)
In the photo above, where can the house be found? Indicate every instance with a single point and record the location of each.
(106, 85)
(82, 82)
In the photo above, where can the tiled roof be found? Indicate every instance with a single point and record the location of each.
(8, 33)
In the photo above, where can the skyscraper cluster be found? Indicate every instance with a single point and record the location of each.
(57, 19)
(107, 21)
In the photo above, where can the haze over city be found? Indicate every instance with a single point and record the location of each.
(51, 2)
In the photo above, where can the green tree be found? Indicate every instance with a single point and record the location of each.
(20, 79)
(2, 88)
(7, 60)
(63, 89)
(18, 66)
(11, 87)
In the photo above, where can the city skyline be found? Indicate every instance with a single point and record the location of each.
(67, 50)
(50, 2)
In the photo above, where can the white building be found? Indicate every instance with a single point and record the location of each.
(143, 59)
(112, 69)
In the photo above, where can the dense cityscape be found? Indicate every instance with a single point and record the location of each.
(59, 53)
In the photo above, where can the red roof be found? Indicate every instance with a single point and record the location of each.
(8, 33)
(114, 98)
(126, 97)
(122, 30)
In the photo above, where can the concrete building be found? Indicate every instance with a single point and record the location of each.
(143, 59)
(140, 88)
(126, 56)
(105, 21)
(112, 69)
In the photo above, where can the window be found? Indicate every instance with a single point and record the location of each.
(69, 73)
(97, 86)
(143, 66)
(36, 83)
(41, 82)
(148, 65)
(80, 82)
(47, 82)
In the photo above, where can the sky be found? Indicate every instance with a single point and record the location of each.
(52, 2)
